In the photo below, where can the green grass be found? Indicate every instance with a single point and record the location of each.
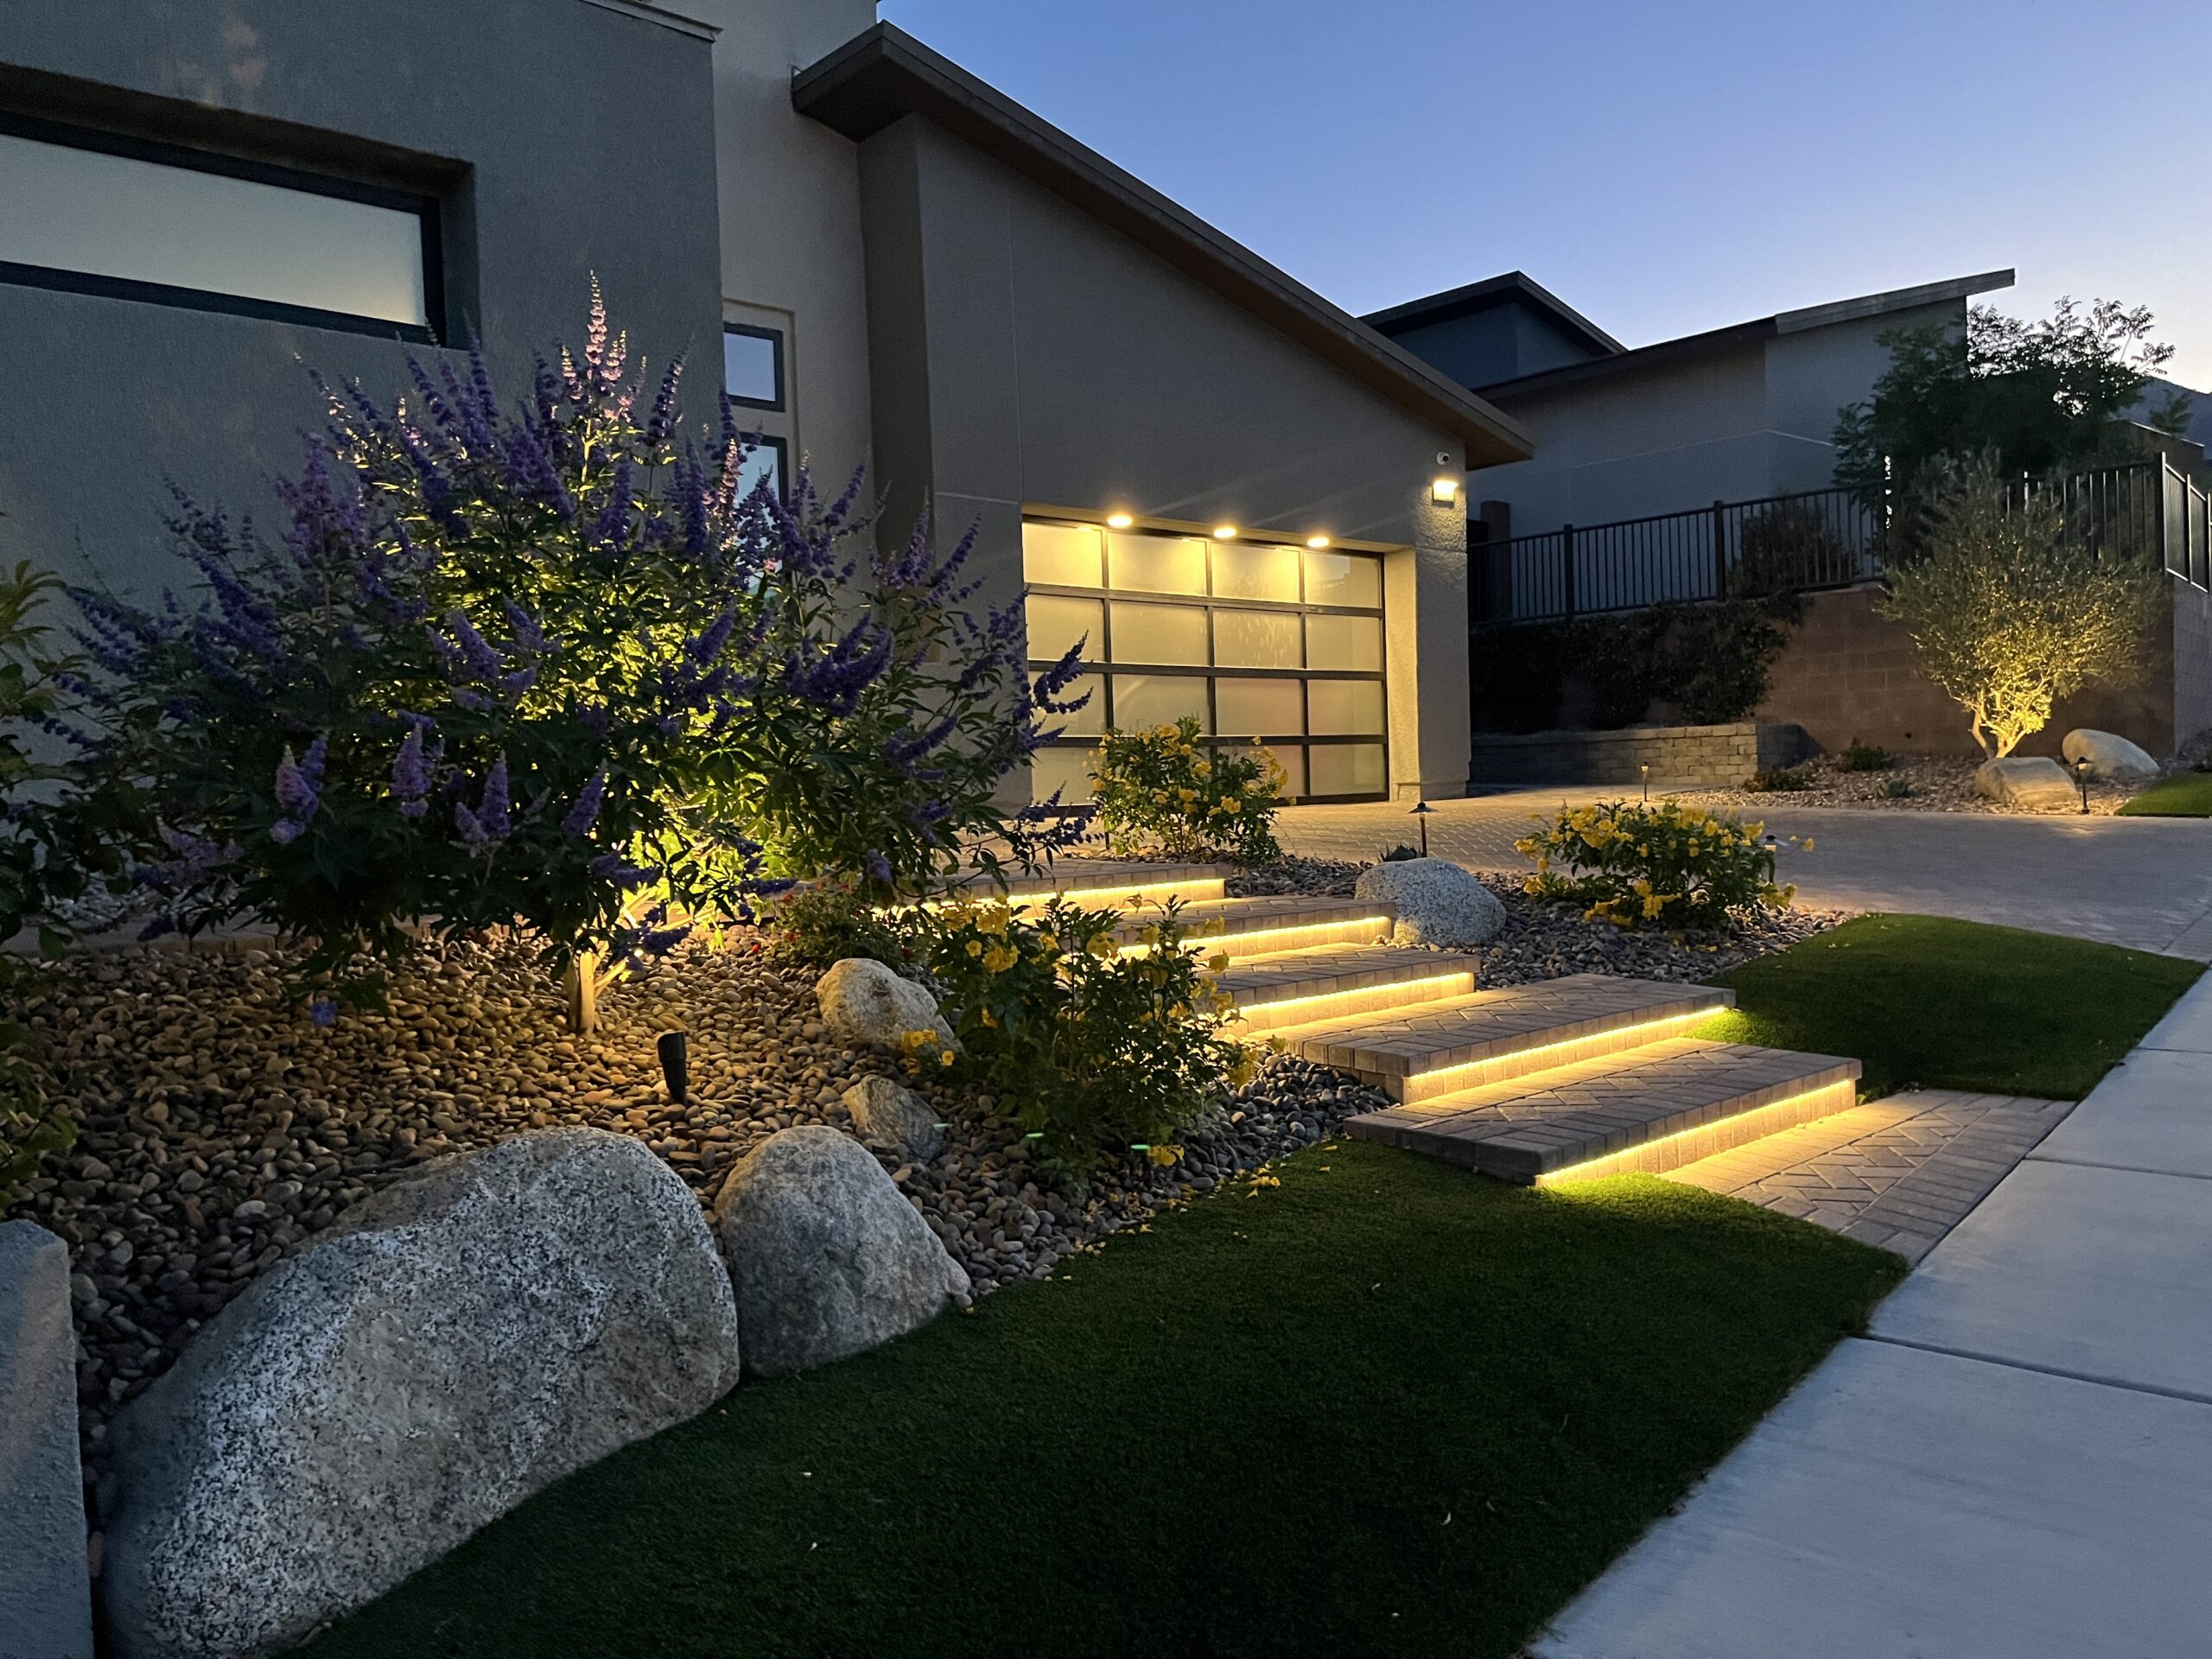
(2184, 795)
(1387, 1406)
(1927, 1002)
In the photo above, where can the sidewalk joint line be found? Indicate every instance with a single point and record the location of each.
(2127, 1169)
(2043, 1371)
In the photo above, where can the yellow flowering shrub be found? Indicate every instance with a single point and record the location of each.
(1101, 1054)
(1637, 864)
(1161, 794)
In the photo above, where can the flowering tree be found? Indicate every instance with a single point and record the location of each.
(526, 666)
(2008, 612)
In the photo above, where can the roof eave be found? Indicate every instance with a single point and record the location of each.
(884, 75)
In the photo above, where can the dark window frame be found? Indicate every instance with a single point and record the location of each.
(427, 210)
(782, 450)
(775, 338)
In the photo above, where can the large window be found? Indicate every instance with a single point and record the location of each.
(94, 213)
(1264, 642)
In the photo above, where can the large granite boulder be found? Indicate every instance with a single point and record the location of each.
(2027, 784)
(460, 1340)
(867, 1005)
(826, 1255)
(46, 1590)
(1435, 902)
(888, 1113)
(2112, 758)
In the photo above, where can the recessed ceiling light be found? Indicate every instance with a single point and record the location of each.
(1317, 541)
(1119, 521)
(1224, 532)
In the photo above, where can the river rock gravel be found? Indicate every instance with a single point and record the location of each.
(221, 1131)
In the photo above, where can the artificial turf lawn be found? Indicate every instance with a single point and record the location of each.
(2184, 795)
(1388, 1406)
(1924, 1001)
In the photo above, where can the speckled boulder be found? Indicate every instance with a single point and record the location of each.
(887, 1113)
(459, 1340)
(2027, 784)
(826, 1255)
(1435, 902)
(867, 1005)
(2112, 758)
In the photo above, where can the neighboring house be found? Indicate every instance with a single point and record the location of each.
(1240, 496)
(1734, 414)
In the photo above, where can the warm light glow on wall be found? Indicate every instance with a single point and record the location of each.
(1224, 532)
(1119, 521)
(1317, 542)
(1444, 490)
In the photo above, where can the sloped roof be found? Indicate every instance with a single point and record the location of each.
(884, 75)
(1492, 291)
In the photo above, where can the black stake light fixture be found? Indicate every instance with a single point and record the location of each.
(2082, 769)
(1421, 810)
(674, 1048)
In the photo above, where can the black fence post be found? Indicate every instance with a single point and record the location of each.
(1567, 569)
(1719, 550)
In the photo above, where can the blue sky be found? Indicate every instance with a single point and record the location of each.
(1663, 166)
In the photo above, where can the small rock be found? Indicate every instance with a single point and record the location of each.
(2112, 758)
(2027, 784)
(1435, 902)
(887, 1113)
(864, 1004)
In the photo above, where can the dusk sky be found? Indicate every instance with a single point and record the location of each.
(1663, 168)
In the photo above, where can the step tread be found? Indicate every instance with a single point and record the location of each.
(1078, 875)
(1550, 1119)
(1318, 969)
(1462, 1030)
(1254, 915)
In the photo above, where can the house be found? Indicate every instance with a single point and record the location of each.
(1244, 500)
(1735, 414)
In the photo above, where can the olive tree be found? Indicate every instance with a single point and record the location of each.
(2008, 612)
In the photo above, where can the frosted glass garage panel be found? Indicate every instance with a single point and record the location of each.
(1345, 769)
(1258, 640)
(1066, 770)
(1253, 570)
(1168, 634)
(1345, 707)
(1347, 643)
(1057, 622)
(1291, 757)
(87, 211)
(1156, 565)
(1143, 701)
(1344, 579)
(1090, 721)
(1258, 708)
(1062, 555)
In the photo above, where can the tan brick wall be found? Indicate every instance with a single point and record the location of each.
(1848, 674)
(1677, 754)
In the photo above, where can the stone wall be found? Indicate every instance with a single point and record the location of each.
(1848, 674)
(1677, 754)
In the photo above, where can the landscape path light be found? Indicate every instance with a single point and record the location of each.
(2081, 769)
(1421, 810)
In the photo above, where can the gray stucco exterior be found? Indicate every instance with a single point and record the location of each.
(1028, 359)
(562, 138)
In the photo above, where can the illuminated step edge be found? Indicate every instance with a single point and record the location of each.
(1104, 895)
(1246, 927)
(1269, 1007)
(1660, 1132)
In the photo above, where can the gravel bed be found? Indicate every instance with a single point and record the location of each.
(220, 1130)
(1938, 783)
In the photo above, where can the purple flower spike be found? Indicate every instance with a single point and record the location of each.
(492, 815)
(411, 774)
(323, 1012)
(285, 831)
(298, 786)
(585, 813)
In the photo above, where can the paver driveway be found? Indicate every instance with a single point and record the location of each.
(2145, 882)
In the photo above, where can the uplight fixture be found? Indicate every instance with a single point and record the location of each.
(1444, 489)
(1317, 542)
(1224, 532)
(1119, 521)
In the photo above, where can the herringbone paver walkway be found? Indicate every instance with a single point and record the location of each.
(1898, 1174)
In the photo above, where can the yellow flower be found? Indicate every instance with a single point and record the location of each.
(1163, 1156)
(1653, 905)
(944, 1057)
(1000, 957)
(975, 947)
(1229, 803)
(1218, 963)
(990, 1019)
(1808, 843)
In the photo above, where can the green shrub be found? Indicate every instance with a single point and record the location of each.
(817, 922)
(1897, 788)
(1630, 863)
(1865, 757)
(1095, 1053)
(1160, 794)
(1780, 780)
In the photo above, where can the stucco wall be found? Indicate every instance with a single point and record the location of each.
(1849, 674)
(1028, 357)
(566, 137)
(791, 254)
(1736, 422)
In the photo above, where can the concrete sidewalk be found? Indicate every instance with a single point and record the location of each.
(2015, 1463)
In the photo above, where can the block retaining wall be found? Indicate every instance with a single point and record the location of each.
(1677, 754)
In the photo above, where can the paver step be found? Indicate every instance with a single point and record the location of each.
(1340, 981)
(1490, 1036)
(1106, 884)
(1249, 927)
(1654, 1109)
